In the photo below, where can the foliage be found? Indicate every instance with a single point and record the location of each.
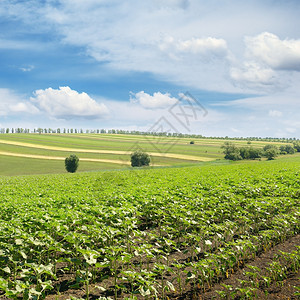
(296, 145)
(250, 153)
(139, 159)
(123, 231)
(231, 151)
(270, 151)
(287, 149)
(71, 163)
(192, 142)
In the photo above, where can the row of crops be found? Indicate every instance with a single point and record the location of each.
(145, 234)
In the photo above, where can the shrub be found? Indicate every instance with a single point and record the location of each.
(192, 142)
(71, 163)
(140, 159)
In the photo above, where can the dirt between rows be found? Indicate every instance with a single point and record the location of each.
(280, 290)
(285, 289)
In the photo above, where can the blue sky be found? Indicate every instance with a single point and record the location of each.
(125, 64)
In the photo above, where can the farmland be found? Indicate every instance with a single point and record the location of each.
(205, 231)
(22, 154)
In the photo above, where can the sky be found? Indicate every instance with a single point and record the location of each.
(215, 68)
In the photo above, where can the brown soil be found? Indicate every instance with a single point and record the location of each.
(284, 289)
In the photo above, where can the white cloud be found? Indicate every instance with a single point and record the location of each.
(275, 113)
(158, 100)
(187, 42)
(254, 75)
(13, 104)
(66, 103)
(204, 48)
(268, 63)
(268, 49)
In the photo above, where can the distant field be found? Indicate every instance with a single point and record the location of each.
(44, 153)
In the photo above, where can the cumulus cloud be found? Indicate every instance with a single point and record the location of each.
(254, 75)
(199, 38)
(12, 104)
(158, 100)
(267, 63)
(65, 103)
(268, 49)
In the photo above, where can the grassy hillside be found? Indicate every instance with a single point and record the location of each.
(44, 153)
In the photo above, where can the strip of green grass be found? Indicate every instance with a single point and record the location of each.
(12, 166)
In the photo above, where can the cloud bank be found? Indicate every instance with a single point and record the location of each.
(189, 42)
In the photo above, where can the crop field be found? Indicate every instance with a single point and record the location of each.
(22, 154)
(198, 232)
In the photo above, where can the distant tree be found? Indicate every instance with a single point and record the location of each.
(297, 146)
(287, 149)
(270, 146)
(140, 159)
(231, 151)
(254, 153)
(71, 163)
(270, 151)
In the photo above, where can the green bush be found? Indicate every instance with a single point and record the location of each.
(271, 153)
(231, 151)
(71, 163)
(140, 159)
(287, 149)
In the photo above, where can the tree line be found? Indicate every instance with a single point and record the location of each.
(233, 152)
(136, 132)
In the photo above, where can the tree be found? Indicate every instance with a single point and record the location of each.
(71, 163)
(286, 149)
(297, 146)
(140, 159)
(231, 151)
(271, 153)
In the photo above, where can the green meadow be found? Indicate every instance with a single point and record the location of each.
(22, 154)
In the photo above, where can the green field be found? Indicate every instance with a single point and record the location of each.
(22, 154)
(148, 233)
